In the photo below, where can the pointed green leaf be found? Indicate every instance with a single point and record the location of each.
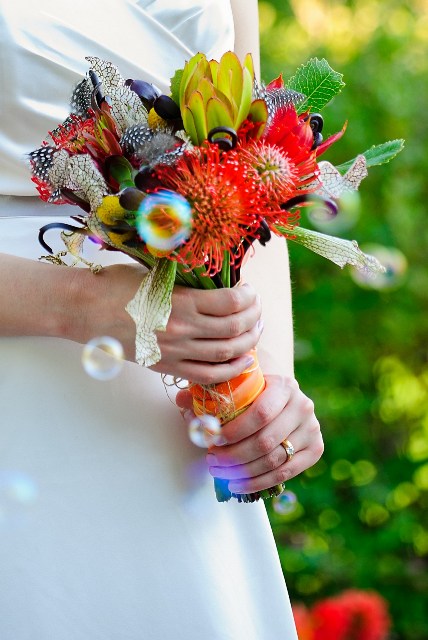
(206, 89)
(187, 72)
(150, 309)
(189, 124)
(377, 154)
(259, 113)
(318, 82)
(225, 100)
(214, 66)
(175, 85)
(230, 78)
(247, 94)
(197, 107)
(249, 65)
(218, 115)
(202, 70)
(120, 169)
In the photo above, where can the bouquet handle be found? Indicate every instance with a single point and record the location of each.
(226, 401)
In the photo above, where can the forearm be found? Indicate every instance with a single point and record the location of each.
(40, 299)
(34, 297)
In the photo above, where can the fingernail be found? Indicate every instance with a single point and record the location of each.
(249, 361)
(235, 488)
(211, 460)
(260, 325)
(219, 441)
(188, 415)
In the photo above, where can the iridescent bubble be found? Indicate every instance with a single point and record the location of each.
(102, 358)
(285, 503)
(164, 221)
(392, 259)
(17, 490)
(347, 216)
(204, 431)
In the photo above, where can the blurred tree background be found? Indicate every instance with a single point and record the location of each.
(361, 348)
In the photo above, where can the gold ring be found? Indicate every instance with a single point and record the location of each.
(288, 448)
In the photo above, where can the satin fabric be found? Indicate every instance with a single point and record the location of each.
(43, 49)
(109, 527)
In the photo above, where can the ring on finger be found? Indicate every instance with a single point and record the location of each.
(288, 448)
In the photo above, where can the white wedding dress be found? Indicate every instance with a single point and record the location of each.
(109, 526)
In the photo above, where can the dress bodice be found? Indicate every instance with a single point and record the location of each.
(43, 46)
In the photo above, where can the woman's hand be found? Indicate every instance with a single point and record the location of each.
(209, 332)
(252, 457)
(207, 335)
(206, 338)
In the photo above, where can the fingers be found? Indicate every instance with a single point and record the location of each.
(225, 462)
(219, 314)
(203, 372)
(300, 462)
(224, 302)
(258, 460)
(268, 406)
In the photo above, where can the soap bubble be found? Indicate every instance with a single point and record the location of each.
(346, 217)
(17, 487)
(394, 262)
(18, 493)
(285, 503)
(204, 431)
(102, 358)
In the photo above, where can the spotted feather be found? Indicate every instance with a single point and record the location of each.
(277, 98)
(80, 100)
(41, 162)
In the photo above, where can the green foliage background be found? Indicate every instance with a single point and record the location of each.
(361, 353)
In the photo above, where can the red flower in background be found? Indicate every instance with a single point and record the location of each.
(330, 620)
(351, 615)
(303, 620)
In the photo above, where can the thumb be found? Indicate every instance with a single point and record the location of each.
(184, 399)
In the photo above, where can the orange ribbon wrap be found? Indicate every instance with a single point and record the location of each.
(226, 400)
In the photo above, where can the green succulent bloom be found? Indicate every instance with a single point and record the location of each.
(215, 94)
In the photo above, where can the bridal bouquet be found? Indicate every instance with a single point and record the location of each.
(185, 183)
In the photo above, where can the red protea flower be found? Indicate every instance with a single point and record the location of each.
(225, 200)
(277, 174)
(292, 133)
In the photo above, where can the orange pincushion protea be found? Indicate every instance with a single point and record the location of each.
(226, 203)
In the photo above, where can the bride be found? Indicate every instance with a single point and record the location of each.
(109, 526)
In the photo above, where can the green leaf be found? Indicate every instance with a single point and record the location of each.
(230, 77)
(189, 124)
(150, 309)
(175, 85)
(318, 82)
(377, 154)
(217, 115)
(225, 269)
(197, 107)
(246, 98)
(120, 169)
